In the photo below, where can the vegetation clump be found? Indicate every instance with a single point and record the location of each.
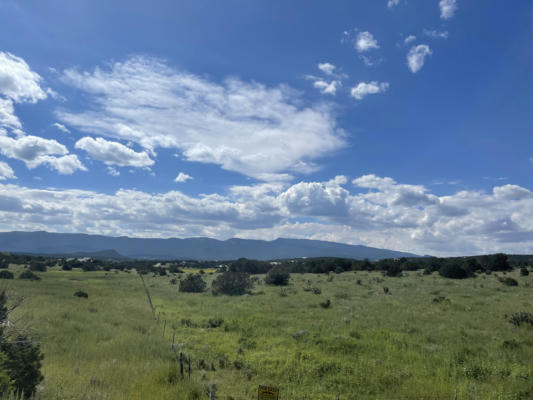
(20, 359)
(521, 317)
(277, 276)
(81, 293)
(193, 283)
(325, 304)
(524, 272)
(510, 281)
(6, 274)
(454, 270)
(29, 275)
(232, 283)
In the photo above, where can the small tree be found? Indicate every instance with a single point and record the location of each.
(29, 275)
(454, 270)
(20, 359)
(277, 276)
(192, 283)
(6, 274)
(232, 283)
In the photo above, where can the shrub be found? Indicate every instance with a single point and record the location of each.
(521, 317)
(325, 304)
(510, 282)
(37, 267)
(454, 270)
(214, 322)
(81, 293)
(29, 275)
(232, 283)
(6, 275)
(3, 264)
(192, 283)
(173, 281)
(394, 270)
(277, 276)
(524, 272)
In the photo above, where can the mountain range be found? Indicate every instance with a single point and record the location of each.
(47, 243)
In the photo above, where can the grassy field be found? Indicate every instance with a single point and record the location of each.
(366, 345)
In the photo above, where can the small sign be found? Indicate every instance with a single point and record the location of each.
(268, 393)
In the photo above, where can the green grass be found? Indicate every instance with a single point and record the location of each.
(367, 345)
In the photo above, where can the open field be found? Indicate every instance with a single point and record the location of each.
(367, 344)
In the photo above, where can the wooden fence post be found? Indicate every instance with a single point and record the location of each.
(181, 364)
(164, 328)
(189, 366)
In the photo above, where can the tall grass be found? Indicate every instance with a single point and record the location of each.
(367, 344)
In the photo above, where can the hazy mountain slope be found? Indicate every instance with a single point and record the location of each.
(192, 248)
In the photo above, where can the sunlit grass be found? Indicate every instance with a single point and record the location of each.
(366, 345)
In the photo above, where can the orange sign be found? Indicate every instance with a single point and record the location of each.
(267, 393)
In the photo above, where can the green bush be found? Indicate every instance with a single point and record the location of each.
(81, 293)
(510, 282)
(524, 272)
(192, 283)
(6, 274)
(232, 283)
(277, 276)
(454, 270)
(29, 275)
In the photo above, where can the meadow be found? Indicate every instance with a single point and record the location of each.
(427, 338)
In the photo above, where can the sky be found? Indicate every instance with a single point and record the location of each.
(399, 124)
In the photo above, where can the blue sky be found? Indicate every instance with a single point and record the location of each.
(398, 124)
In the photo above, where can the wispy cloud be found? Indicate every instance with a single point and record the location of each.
(61, 127)
(6, 172)
(327, 68)
(393, 3)
(434, 34)
(409, 39)
(266, 133)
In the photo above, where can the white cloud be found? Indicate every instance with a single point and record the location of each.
(365, 88)
(434, 34)
(17, 81)
(393, 3)
(61, 127)
(416, 57)
(112, 171)
(261, 132)
(113, 153)
(327, 68)
(447, 8)
(8, 118)
(6, 172)
(36, 151)
(409, 39)
(365, 41)
(327, 87)
(182, 177)
(388, 214)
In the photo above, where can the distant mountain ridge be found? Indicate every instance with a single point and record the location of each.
(192, 248)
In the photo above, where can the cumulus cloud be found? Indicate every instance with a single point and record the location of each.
(327, 87)
(36, 151)
(380, 212)
(17, 81)
(365, 41)
(8, 118)
(61, 127)
(417, 56)
(447, 8)
(327, 68)
(113, 153)
(365, 88)
(182, 177)
(6, 172)
(266, 133)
